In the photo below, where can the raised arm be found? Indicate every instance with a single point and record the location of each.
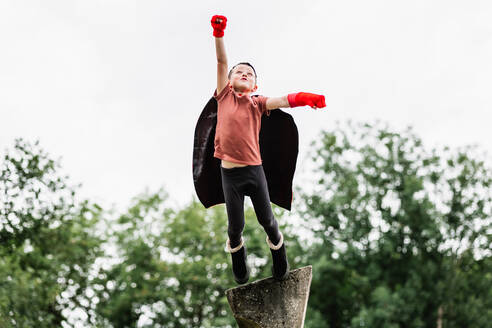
(219, 24)
(295, 100)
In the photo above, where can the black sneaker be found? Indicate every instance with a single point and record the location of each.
(280, 267)
(240, 268)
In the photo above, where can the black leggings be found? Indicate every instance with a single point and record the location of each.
(247, 180)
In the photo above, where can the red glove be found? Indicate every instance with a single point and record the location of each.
(219, 24)
(304, 98)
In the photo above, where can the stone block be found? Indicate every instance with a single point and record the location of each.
(268, 303)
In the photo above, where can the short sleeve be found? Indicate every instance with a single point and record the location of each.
(222, 93)
(261, 103)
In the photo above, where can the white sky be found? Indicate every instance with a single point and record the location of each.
(114, 88)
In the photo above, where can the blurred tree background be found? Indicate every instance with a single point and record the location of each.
(398, 236)
(402, 234)
(48, 241)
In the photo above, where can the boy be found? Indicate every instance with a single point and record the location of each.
(236, 145)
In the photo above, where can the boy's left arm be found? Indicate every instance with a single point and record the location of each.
(277, 102)
(295, 100)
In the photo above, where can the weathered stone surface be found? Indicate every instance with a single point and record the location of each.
(268, 303)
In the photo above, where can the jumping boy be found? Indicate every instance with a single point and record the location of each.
(236, 145)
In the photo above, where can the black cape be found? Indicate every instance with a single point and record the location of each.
(279, 147)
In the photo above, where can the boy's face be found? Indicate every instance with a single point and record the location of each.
(243, 79)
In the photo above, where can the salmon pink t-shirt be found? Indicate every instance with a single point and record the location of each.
(238, 126)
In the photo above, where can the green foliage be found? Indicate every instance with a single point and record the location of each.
(47, 241)
(171, 267)
(398, 236)
(394, 224)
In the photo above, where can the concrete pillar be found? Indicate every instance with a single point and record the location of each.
(268, 303)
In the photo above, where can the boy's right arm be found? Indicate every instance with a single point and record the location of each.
(219, 24)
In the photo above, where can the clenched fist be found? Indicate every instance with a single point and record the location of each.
(219, 24)
(305, 98)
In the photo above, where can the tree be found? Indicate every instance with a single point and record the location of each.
(402, 233)
(47, 241)
(170, 266)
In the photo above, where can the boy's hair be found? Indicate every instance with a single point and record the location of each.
(243, 63)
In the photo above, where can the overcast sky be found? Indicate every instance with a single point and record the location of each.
(115, 87)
